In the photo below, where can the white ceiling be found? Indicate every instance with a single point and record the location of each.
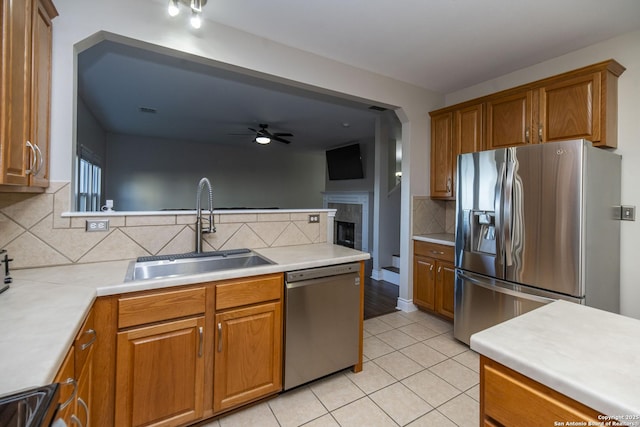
(441, 45)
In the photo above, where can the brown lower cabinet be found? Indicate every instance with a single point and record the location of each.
(174, 356)
(76, 377)
(508, 398)
(160, 374)
(433, 277)
(248, 358)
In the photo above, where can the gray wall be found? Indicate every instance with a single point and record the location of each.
(146, 174)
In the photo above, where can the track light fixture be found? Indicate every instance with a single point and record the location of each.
(194, 5)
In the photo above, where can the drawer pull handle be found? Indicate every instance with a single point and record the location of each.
(76, 420)
(200, 339)
(86, 409)
(219, 337)
(71, 398)
(91, 341)
(437, 252)
(34, 159)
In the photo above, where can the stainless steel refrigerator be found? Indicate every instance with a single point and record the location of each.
(535, 224)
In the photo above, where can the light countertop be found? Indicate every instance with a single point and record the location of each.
(44, 308)
(448, 239)
(587, 354)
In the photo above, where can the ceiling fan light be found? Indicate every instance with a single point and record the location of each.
(263, 139)
(196, 22)
(173, 8)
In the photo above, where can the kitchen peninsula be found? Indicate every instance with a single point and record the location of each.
(570, 362)
(47, 307)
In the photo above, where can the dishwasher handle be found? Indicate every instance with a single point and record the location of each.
(319, 272)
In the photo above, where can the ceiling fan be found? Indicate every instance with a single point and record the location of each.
(263, 136)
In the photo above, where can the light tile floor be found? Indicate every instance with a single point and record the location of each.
(415, 374)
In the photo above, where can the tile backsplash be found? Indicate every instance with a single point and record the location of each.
(36, 234)
(433, 216)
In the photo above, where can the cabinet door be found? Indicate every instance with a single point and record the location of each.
(441, 156)
(16, 90)
(160, 374)
(509, 120)
(68, 389)
(570, 109)
(41, 96)
(445, 289)
(468, 135)
(84, 349)
(424, 282)
(248, 358)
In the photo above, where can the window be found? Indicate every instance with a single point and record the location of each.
(89, 185)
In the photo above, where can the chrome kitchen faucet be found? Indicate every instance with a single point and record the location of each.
(212, 225)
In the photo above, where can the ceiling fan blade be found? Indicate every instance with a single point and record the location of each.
(282, 134)
(277, 138)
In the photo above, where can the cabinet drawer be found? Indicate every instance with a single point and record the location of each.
(84, 342)
(433, 250)
(141, 309)
(512, 399)
(238, 292)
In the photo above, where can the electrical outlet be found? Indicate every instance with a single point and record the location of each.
(97, 225)
(314, 218)
(628, 213)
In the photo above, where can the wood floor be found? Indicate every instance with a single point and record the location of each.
(380, 297)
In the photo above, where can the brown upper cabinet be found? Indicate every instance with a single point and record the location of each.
(452, 133)
(578, 104)
(26, 94)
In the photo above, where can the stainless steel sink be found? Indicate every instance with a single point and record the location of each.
(157, 267)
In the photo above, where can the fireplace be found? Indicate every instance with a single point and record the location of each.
(346, 234)
(351, 208)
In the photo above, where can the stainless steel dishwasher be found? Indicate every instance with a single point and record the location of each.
(322, 322)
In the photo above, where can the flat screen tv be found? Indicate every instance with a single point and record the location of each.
(345, 163)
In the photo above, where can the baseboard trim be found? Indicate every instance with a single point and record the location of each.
(406, 305)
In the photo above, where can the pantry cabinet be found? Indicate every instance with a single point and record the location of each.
(434, 278)
(26, 94)
(578, 104)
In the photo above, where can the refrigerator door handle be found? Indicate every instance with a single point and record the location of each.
(507, 291)
(498, 213)
(508, 209)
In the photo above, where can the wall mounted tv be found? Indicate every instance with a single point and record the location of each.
(345, 163)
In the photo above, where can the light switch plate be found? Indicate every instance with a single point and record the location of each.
(97, 225)
(314, 218)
